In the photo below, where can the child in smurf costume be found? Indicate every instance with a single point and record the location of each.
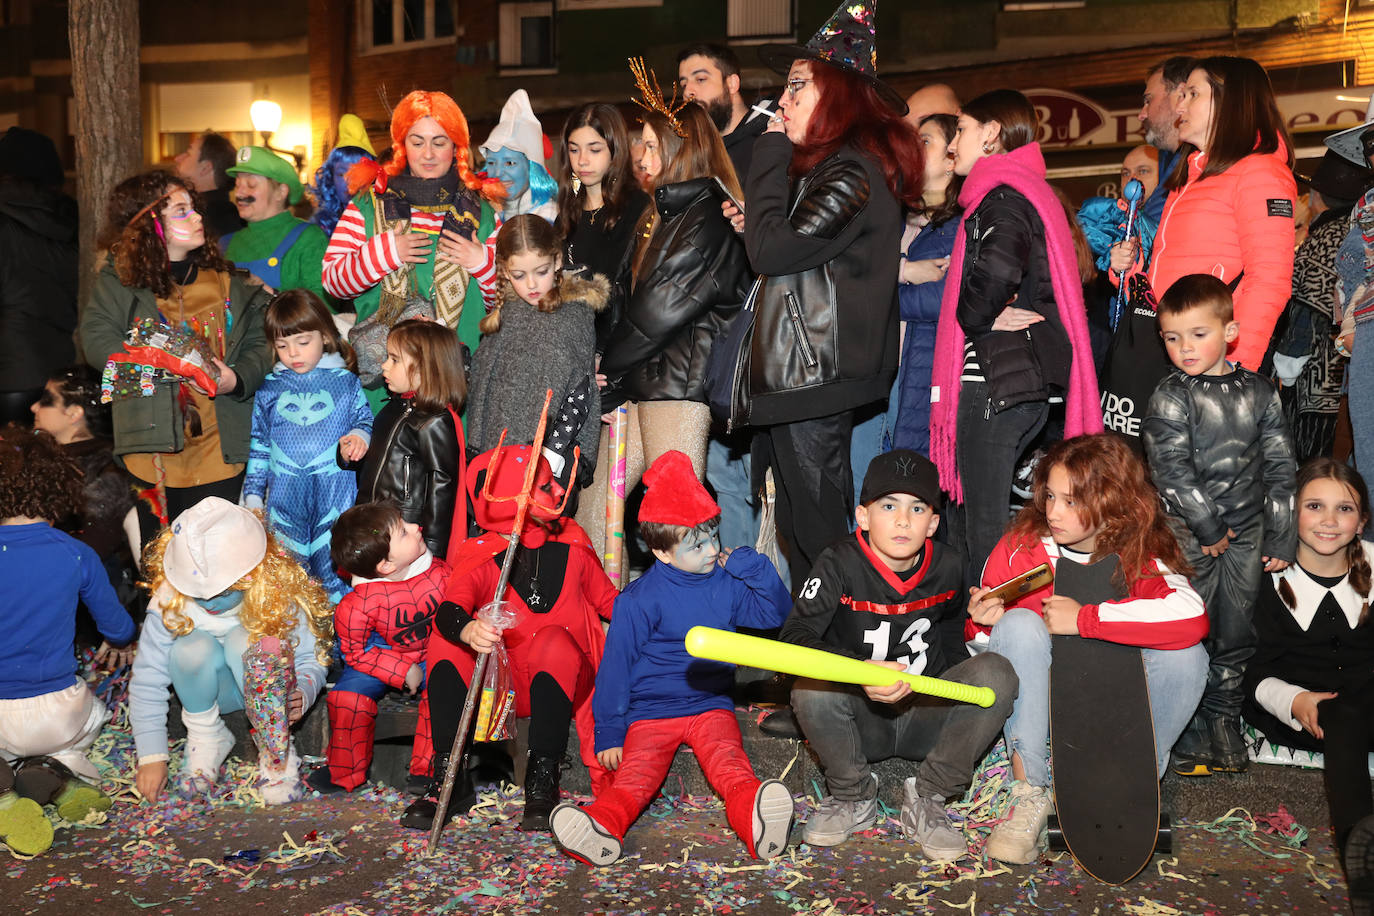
(226, 602)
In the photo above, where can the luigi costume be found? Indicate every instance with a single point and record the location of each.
(282, 251)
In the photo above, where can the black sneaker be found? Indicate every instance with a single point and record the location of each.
(781, 723)
(418, 784)
(320, 780)
(420, 814)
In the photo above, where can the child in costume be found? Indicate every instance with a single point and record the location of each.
(309, 405)
(46, 711)
(559, 595)
(410, 243)
(1221, 455)
(541, 336)
(330, 189)
(227, 601)
(893, 597)
(1308, 685)
(652, 696)
(382, 627)
(417, 452)
(1093, 512)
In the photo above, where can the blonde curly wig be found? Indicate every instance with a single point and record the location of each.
(273, 591)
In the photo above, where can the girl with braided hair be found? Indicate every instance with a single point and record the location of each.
(410, 242)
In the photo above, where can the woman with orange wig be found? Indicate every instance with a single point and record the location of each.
(410, 242)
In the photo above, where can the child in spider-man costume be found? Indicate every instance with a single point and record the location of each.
(559, 594)
(382, 626)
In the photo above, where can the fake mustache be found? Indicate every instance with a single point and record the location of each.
(246, 201)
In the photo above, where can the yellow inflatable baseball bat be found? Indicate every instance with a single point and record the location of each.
(740, 649)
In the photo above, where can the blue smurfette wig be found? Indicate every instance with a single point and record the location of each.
(542, 186)
(329, 207)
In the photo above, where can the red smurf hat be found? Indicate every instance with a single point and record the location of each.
(675, 496)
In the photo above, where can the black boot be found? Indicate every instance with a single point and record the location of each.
(1229, 753)
(420, 814)
(1192, 753)
(542, 776)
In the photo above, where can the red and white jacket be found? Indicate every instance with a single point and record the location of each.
(1162, 611)
(355, 262)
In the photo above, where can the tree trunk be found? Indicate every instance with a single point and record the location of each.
(105, 44)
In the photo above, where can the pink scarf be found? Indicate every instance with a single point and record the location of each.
(1022, 170)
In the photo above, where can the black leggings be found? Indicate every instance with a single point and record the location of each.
(179, 499)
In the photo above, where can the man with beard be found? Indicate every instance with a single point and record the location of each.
(281, 251)
(1159, 119)
(709, 74)
(205, 164)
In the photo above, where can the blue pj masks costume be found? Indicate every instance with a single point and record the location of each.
(298, 419)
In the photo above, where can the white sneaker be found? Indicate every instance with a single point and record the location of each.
(1017, 839)
(772, 818)
(580, 834)
(208, 742)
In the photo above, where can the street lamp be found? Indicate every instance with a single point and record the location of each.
(266, 117)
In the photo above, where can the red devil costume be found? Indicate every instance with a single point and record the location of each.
(559, 594)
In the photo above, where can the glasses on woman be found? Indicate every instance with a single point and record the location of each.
(795, 85)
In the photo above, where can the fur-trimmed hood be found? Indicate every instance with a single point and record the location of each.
(577, 285)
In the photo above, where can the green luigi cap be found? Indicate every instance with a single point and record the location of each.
(258, 160)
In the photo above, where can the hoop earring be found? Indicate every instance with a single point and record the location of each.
(987, 149)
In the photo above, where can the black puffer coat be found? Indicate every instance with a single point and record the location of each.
(689, 285)
(414, 459)
(825, 329)
(1005, 263)
(37, 284)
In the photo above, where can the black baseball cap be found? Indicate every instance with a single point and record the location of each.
(901, 471)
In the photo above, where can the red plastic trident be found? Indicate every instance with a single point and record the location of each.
(522, 501)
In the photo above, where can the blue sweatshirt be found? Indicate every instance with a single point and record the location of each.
(646, 672)
(42, 574)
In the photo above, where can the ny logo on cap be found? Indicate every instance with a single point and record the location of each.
(905, 466)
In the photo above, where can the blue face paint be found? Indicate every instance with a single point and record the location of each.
(513, 169)
(697, 552)
(226, 600)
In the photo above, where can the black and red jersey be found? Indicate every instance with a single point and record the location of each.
(853, 604)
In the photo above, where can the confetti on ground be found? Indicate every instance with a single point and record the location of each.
(219, 851)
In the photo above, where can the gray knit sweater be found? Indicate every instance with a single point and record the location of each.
(531, 353)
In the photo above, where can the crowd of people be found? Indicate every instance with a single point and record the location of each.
(861, 333)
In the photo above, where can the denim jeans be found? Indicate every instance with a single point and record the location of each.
(1175, 679)
(988, 446)
(1359, 380)
(728, 471)
(871, 437)
(848, 731)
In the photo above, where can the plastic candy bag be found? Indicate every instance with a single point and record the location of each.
(496, 703)
(153, 351)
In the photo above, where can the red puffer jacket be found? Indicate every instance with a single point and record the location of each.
(1240, 220)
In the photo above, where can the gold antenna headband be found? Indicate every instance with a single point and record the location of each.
(646, 81)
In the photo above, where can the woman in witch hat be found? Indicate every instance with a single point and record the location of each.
(825, 191)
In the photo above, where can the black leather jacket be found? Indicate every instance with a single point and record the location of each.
(825, 325)
(689, 285)
(1005, 263)
(414, 460)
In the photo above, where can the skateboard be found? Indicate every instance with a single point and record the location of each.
(1102, 745)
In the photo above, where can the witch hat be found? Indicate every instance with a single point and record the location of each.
(847, 41)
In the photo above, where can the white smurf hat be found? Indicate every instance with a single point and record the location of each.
(214, 544)
(518, 129)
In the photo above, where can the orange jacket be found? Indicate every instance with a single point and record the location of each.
(1240, 220)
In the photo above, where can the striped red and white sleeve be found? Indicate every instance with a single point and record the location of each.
(486, 274)
(1162, 612)
(354, 263)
